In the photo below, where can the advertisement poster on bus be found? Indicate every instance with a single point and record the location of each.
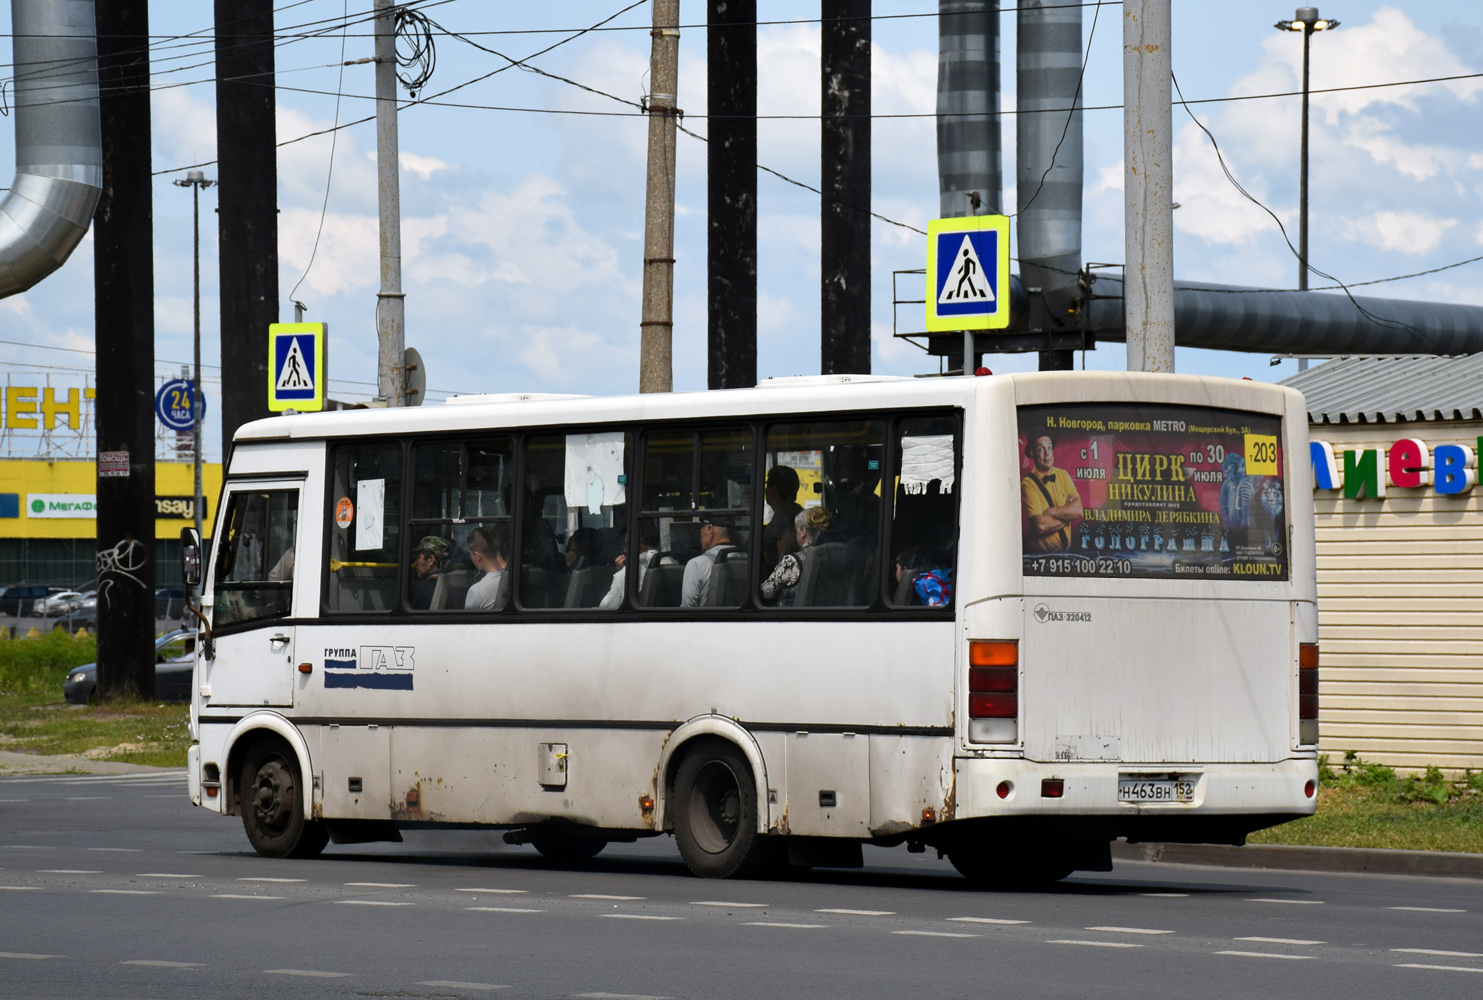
(1154, 492)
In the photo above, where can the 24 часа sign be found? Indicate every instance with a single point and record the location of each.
(1123, 490)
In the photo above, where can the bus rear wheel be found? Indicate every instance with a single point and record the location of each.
(567, 848)
(715, 820)
(272, 797)
(987, 868)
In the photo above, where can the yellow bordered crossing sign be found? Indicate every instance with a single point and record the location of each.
(968, 273)
(296, 366)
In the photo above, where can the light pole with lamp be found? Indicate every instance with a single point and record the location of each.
(1306, 20)
(195, 180)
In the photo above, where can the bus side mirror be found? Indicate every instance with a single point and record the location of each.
(190, 557)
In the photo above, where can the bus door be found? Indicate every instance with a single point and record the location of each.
(250, 597)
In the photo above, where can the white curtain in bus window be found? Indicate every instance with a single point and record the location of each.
(926, 459)
(1126, 490)
(370, 504)
(594, 471)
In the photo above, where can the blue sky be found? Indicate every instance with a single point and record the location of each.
(522, 231)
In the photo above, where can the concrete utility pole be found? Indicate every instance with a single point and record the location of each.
(391, 311)
(731, 192)
(656, 327)
(1148, 177)
(844, 224)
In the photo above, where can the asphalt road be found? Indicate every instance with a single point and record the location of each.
(115, 886)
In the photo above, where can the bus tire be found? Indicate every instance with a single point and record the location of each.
(715, 819)
(986, 868)
(567, 848)
(272, 797)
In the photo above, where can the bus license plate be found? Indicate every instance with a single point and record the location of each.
(1155, 790)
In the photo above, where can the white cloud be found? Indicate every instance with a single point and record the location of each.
(423, 166)
(1406, 232)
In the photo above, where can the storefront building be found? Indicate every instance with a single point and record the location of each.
(1394, 445)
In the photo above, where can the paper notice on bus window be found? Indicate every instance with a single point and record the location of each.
(594, 471)
(1127, 490)
(370, 508)
(926, 458)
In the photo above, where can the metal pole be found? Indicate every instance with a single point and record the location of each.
(1148, 178)
(1303, 184)
(196, 395)
(391, 380)
(844, 223)
(731, 192)
(656, 326)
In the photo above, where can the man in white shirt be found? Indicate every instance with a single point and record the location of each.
(715, 538)
(486, 552)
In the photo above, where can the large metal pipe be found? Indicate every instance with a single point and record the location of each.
(731, 193)
(969, 147)
(844, 224)
(1233, 318)
(58, 154)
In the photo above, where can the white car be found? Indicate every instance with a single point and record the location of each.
(58, 603)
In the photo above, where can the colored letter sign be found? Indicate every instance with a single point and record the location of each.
(172, 404)
(968, 273)
(296, 366)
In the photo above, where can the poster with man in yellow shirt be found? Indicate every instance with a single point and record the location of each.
(1051, 504)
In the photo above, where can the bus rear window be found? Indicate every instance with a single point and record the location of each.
(1126, 490)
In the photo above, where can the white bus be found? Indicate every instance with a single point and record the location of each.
(1008, 618)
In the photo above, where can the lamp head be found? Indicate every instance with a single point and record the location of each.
(1307, 19)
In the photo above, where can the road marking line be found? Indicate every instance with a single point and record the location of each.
(164, 875)
(369, 902)
(22, 888)
(305, 972)
(28, 847)
(638, 916)
(501, 909)
(1096, 944)
(164, 965)
(455, 985)
(128, 892)
(1296, 902)
(859, 913)
(21, 954)
(1129, 930)
(717, 902)
(67, 871)
(616, 996)
(778, 923)
(175, 796)
(1445, 954)
(1167, 895)
(504, 892)
(599, 895)
(119, 850)
(946, 934)
(385, 885)
(86, 798)
(1426, 909)
(1267, 940)
(253, 878)
(987, 920)
(1407, 965)
(15, 800)
(1262, 954)
(234, 895)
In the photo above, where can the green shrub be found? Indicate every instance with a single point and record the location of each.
(39, 665)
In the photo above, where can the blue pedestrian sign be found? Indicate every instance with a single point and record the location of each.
(968, 273)
(173, 404)
(296, 366)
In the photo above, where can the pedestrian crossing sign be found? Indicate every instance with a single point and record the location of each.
(968, 273)
(296, 366)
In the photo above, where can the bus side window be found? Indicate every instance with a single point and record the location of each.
(924, 520)
(365, 525)
(575, 510)
(458, 538)
(254, 571)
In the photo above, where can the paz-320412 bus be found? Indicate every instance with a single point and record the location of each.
(1009, 618)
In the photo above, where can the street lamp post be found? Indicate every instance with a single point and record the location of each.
(1307, 21)
(195, 180)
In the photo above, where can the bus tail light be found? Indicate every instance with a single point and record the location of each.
(993, 691)
(1308, 693)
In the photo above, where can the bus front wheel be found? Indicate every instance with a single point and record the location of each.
(715, 822)
(273, 797)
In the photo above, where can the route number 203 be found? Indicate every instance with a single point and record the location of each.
(1261, 455)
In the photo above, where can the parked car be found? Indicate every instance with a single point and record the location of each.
(85, 617)
(58, 603)
(21, 598)
(174, 663)
(169, 602)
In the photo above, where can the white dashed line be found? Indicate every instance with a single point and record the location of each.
(164, 875)
(1129, 930)
(717, 902)
(127, 892)
(946, 934)
(986, 920)
(1167, 895)
(455, 985)
(779, 923)
(1426, 909)
(22, 888)
(164, 965)
(119, 850)
(1267, 940)
(500, 909)
(1263, 954)
(860, 913)
(21, 954)
(369, 902)
(599, 895)
(637, 916)
(384, 885)
(236, 895)
(1096, 944)
(616, 996)
(1444, 954)
(503, 892)
(1296, 902)
(1407, 965)
(311, 973)
(250, 878)
(15, 800)
(67, 871)
(86, 798)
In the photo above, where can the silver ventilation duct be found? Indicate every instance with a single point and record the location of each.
(58, 153)
(1048, 148)
(1232, 318)
(969, 150)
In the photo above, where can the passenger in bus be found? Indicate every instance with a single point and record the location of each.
(487, 552)
(648, 546)
(851, 495)
(715, 538)
(427, 561)
(781, 586)
(581, 549)
(922, 579)
(782, 497)
(1051, 504)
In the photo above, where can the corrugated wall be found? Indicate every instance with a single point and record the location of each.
(1400, 612)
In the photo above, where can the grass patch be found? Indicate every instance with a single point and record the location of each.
(1361, 804)
(37, 666)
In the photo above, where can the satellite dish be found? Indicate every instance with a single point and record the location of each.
(415, 373)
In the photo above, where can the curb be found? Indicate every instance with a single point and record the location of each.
(1316, 859)
(15, 764)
